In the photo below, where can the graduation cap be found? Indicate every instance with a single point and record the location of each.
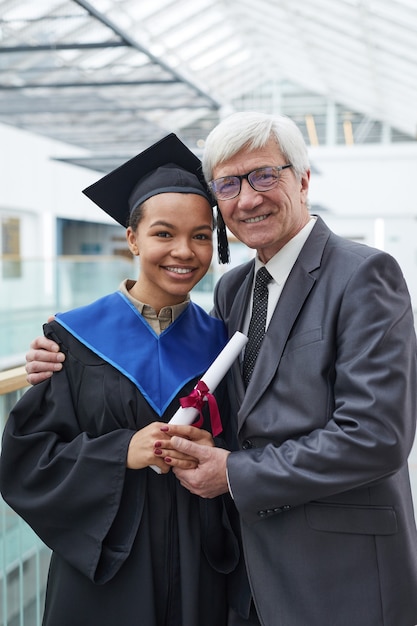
(167, 166)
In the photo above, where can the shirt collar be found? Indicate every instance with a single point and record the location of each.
(282, 262)
(146, 310)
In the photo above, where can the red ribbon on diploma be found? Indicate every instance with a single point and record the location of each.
(195, 399)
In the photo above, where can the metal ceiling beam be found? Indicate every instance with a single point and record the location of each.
(62, 46)
(130, 41)
(110, 83)
(20, 108)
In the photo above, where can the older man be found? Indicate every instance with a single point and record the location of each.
(326, 420)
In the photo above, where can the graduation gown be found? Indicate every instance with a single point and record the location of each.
(130, 547)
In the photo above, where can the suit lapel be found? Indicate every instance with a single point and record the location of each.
(295, 292)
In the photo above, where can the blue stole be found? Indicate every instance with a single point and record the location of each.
(159, 365)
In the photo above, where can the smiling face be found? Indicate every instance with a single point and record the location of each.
(174, 242)
(265, 220)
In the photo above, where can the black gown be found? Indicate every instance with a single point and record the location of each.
(130, 547)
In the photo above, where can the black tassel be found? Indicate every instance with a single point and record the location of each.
(223, 251)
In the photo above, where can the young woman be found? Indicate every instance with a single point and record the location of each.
(130, 546)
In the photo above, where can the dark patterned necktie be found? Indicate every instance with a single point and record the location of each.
(257, 323)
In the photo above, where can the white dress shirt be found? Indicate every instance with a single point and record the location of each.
(279, 267)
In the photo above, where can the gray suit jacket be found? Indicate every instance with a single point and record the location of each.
(324, 429)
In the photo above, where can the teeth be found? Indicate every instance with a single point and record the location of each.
(179, 270)
(252, 220)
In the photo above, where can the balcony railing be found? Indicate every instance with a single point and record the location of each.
(24, 558)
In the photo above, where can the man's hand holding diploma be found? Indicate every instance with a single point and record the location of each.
(209, 478)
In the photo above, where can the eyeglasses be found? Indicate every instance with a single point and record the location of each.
(261, 179)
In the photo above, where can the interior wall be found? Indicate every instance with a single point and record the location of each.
(366, 193)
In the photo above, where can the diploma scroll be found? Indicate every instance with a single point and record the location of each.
(212, 377)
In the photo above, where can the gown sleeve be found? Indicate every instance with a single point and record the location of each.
(71, 485)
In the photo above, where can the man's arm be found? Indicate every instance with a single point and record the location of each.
(42, 360)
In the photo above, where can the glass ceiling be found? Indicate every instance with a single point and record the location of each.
(112, 76)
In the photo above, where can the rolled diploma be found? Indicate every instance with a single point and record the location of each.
(212, 377)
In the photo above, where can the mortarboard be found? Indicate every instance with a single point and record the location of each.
(166, 166)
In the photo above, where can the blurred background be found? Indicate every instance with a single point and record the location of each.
(84, 86)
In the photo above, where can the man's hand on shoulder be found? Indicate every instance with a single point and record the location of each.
(42, 360)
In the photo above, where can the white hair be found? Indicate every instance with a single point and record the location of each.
(253, 130)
